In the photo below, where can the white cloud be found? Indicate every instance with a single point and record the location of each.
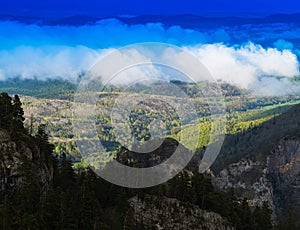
(29, 51)
(249, 66)
(47, 61)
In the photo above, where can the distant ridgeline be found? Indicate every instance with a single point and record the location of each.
(60, 89)
(38, 191)
(64, 89)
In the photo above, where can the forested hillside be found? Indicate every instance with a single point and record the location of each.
(262, 164)
(48, 193)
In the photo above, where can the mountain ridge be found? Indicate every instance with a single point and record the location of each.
(191, 21)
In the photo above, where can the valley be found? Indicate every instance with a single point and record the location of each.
(259, 151)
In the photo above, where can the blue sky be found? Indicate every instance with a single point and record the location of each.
(244, 55)
(133, 7)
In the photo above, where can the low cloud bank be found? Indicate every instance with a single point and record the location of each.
(244, 56)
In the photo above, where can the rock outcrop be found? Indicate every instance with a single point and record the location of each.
(249, 180)
(284, 174)
(13, 154)
(275, 180)
(166, 213)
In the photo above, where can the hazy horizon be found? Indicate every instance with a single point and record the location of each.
(133, 7)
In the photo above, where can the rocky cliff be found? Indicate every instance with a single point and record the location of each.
(262, 165)
(284, 175)
(249, 180)
(165, 213)
(20, 156)
(275, 180)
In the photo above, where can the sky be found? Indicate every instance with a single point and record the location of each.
(137, 7)
(261, 57)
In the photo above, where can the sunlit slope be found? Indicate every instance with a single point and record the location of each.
(259, 140)
(57, 115)
(236, 122)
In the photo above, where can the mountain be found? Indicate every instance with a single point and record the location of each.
(262, 164)
(256, 171)
(259, 141)
(200, 22)
(186, 21)
(50, 88)
(40, 190)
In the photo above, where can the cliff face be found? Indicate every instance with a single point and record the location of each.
(284, 174)
(248, 179)
(165, 213)
(275, 180)
(17, 158)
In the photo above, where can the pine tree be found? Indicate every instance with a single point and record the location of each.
(262, 217)
(90, 210)
(6, 110)
(42, 135)
(18, 114)
(67, 177)
(49, 206)
(6, 214)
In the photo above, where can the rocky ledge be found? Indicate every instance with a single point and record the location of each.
(166, 213)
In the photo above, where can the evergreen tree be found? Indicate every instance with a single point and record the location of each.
(90, 209)
(6, 214)
(288, 221)
(18, 113)
(6, 110)
(49, 208)
(67, 177)
(262, 218)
